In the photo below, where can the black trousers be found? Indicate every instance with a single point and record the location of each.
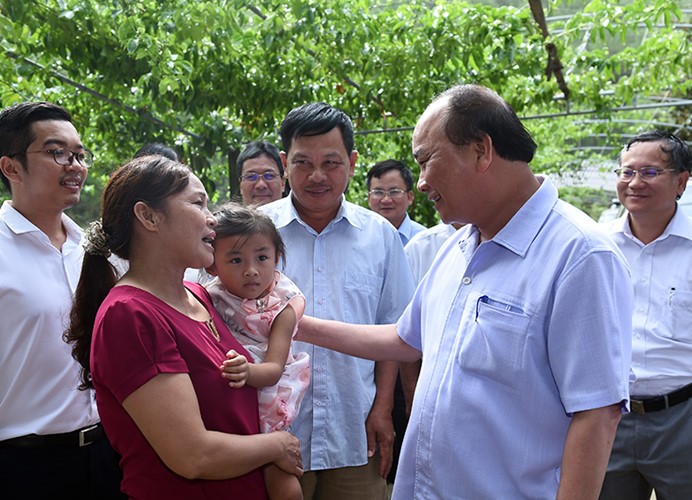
(60, 472)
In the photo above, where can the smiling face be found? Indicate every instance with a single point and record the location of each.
(446, 170)
(187, 226)
(245, 264)
(654, 197)
(318, 171)
(391, 208)
(41, 182)
(261, 191)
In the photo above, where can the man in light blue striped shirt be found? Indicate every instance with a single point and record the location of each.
(351, 266)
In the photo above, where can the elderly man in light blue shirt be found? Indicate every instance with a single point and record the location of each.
(351, 266)
(523, 322)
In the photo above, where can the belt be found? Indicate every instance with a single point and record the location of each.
(74, 439)
(647, 405)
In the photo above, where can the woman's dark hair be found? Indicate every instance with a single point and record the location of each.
(234, 219)
(149, 179)
(474, 111)
(157, 148)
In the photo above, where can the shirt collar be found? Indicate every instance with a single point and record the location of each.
(19, 224)
(286, 213)
(518, 234)
(680, 225)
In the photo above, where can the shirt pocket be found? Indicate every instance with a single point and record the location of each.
(361, 297)
(680, 303)
(493, 344)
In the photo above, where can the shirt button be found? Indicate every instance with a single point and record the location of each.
(320, 269)
(466, 280)
(320, 301)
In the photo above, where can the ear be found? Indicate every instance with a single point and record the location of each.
(284, 161)
(11, 169)
(682, 179)
(148, 217)
(352, 159)
(409, 195)
(484, 153)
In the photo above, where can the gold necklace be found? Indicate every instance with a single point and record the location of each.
(212, 328)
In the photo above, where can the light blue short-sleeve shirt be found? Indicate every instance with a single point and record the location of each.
(355, 271)
(517, 334)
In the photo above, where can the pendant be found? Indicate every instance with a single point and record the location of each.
(212, 328)
(260, 305)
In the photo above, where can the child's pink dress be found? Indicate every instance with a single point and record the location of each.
(250, 321)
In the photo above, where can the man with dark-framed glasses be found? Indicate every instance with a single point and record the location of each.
(653, 444)
(52, 444)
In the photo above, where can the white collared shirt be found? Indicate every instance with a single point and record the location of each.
(662, 322)
(38, 376)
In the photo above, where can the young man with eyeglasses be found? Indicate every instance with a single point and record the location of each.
(653, 444)
(52, 444)
(261, 173)
(390, 194)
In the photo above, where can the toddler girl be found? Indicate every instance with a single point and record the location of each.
(262, 308)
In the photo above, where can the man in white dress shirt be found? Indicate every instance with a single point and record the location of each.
(52, 444)
(653, 446)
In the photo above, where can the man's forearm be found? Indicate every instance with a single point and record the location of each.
(587, 450)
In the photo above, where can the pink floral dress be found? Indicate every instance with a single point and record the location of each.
(250, 321)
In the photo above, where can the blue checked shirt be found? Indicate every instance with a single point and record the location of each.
(355, 271)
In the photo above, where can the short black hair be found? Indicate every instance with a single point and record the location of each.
(474, 111)
(678, 151)
(16, 131)
(255, 149)
(381, 168)
(316, 118)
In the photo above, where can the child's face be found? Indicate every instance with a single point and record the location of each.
(245, 265)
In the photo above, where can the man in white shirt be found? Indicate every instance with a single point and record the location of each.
(653, 446)
(52, 444)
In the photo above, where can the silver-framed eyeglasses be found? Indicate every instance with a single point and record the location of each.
(64, 156)
(254, 176)
(394, 194)
(645, 173)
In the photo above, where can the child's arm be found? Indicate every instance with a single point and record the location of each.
(268, 373)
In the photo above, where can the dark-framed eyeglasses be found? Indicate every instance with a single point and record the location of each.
(64, 156)
(254, 176)
(645, 173)
(394, 194)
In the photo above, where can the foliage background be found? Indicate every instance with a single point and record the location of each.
(207, 76)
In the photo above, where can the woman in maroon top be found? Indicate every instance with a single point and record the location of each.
(157, 346)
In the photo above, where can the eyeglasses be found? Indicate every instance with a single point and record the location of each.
(64, 156)
(254, 176)
(394, 194)
(646, 173)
